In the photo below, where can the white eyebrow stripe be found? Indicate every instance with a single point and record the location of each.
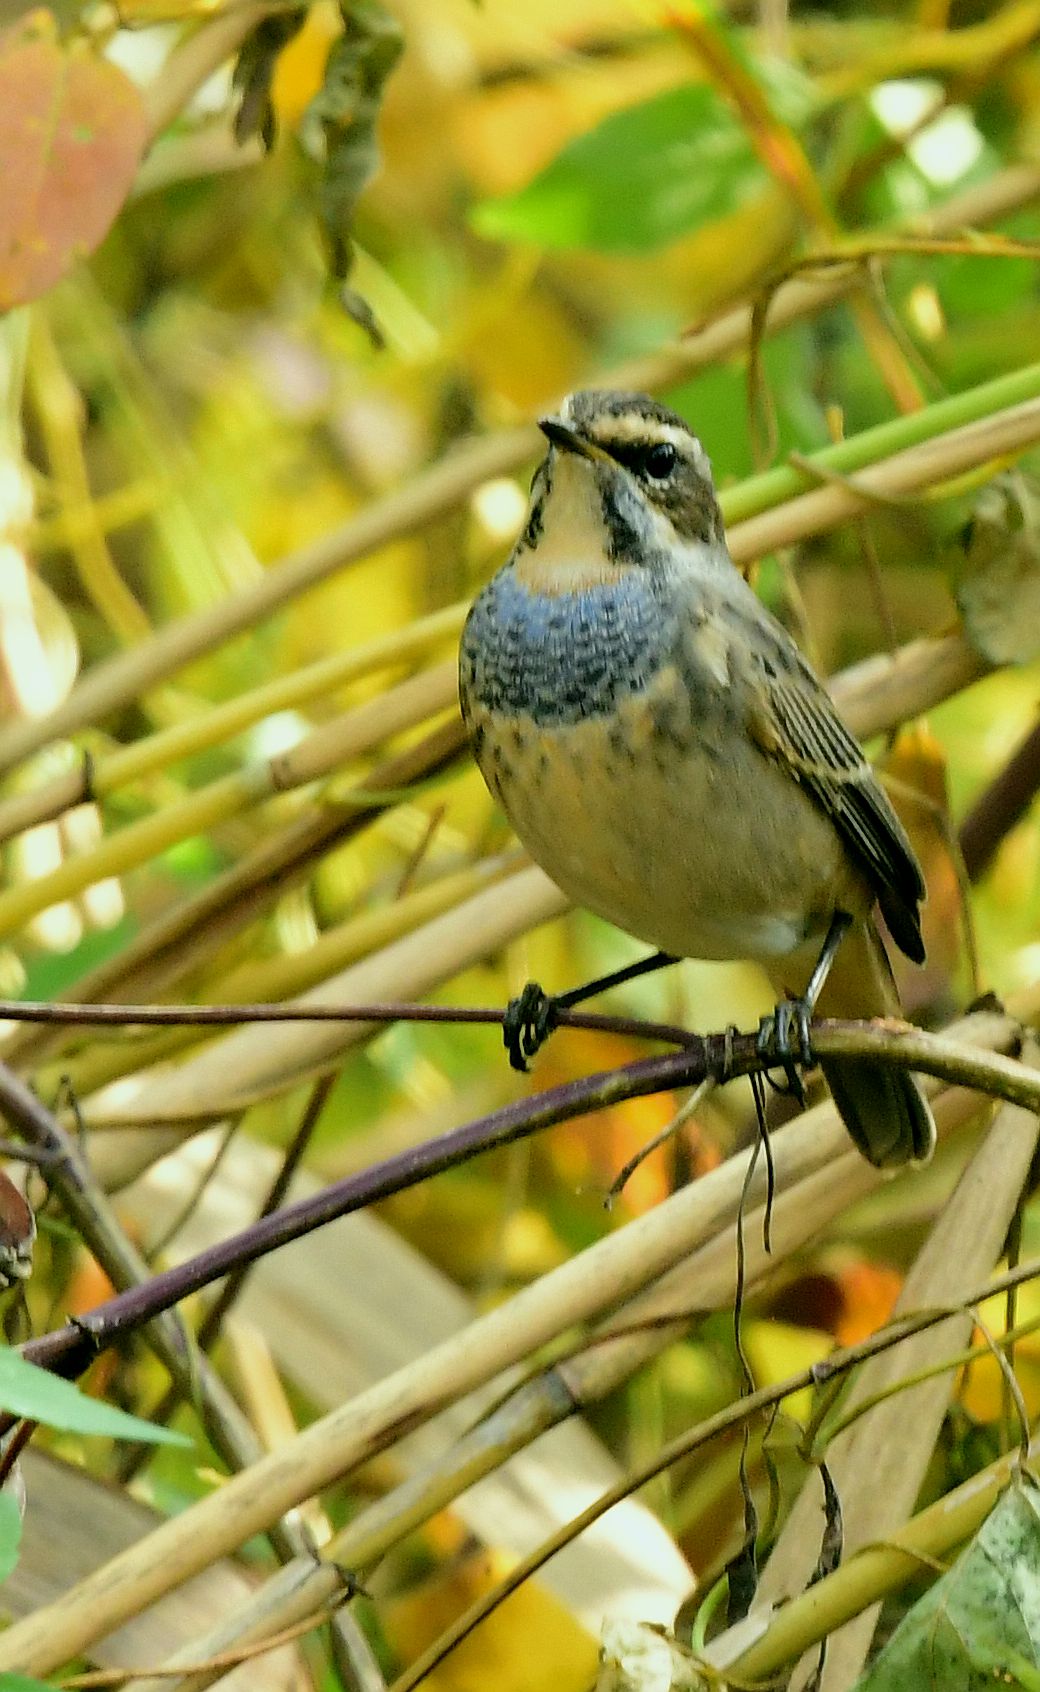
(631, 426)
(650, 429)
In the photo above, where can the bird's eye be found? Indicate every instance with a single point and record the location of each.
(660, 461)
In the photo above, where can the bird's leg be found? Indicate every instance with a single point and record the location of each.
(531, 1017)
(792, 1016)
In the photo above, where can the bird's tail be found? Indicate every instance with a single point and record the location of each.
(882, 1107)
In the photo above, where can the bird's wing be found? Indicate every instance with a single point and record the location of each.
(795, 721)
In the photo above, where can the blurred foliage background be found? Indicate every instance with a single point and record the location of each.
(276, 343)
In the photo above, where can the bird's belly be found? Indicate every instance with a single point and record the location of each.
(696, 843)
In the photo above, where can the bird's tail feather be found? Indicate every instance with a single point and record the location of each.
(882, 1107)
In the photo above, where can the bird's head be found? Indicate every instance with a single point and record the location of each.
(625, 483)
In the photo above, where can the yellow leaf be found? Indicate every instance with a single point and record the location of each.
(777, 1349)
(300, 67)
(529, 1642)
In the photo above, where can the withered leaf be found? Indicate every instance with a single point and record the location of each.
(72, 131)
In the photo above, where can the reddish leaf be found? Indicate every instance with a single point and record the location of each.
(72, 131)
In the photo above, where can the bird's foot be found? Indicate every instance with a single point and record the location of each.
(527, 1024)
(784, 1039)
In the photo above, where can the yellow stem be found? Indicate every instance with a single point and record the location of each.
(59, 412)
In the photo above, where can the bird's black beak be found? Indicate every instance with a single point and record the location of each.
(567, 439)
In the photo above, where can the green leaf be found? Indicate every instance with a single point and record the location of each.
(10, 1534)
(22, 1683)
(643, 176)
(979, 1626)
(40, 1396)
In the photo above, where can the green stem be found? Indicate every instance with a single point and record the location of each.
(786, 481)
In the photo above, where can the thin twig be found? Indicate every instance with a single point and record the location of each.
(715, 1055)
(69, 1178)
(225, 1016)
(220, 1661)
(136, 1455)
(1001, 805)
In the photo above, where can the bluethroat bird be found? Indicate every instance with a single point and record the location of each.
(668, 756)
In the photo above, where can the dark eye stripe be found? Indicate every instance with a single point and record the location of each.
(639, 456)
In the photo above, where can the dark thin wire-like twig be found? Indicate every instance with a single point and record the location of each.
(221, 1016)
(295, 1152)
(140, 1453)
(742, 1569)
(159, 1246)
(14, 1445)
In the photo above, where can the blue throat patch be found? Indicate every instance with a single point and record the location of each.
(562, 658)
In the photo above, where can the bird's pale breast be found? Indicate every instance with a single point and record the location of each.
(611, 724)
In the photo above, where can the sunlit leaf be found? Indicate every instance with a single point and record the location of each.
(35, 1393)
(642, 177)
(72, 131)
(980, 1624)
(532, 1639)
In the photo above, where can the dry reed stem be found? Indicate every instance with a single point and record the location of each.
(539, 1403)
(738, 1413)
(924, 465)
(878, 694)
(127, 675)
(319, 754)
(642, 1328)
(258, 1060)
(107, 772)
(873, 696)
(607, 1272)
(919, 466)
(254, 1061)
(284, 976)
(192, 930)
(702, 1282)
(868, 1577)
